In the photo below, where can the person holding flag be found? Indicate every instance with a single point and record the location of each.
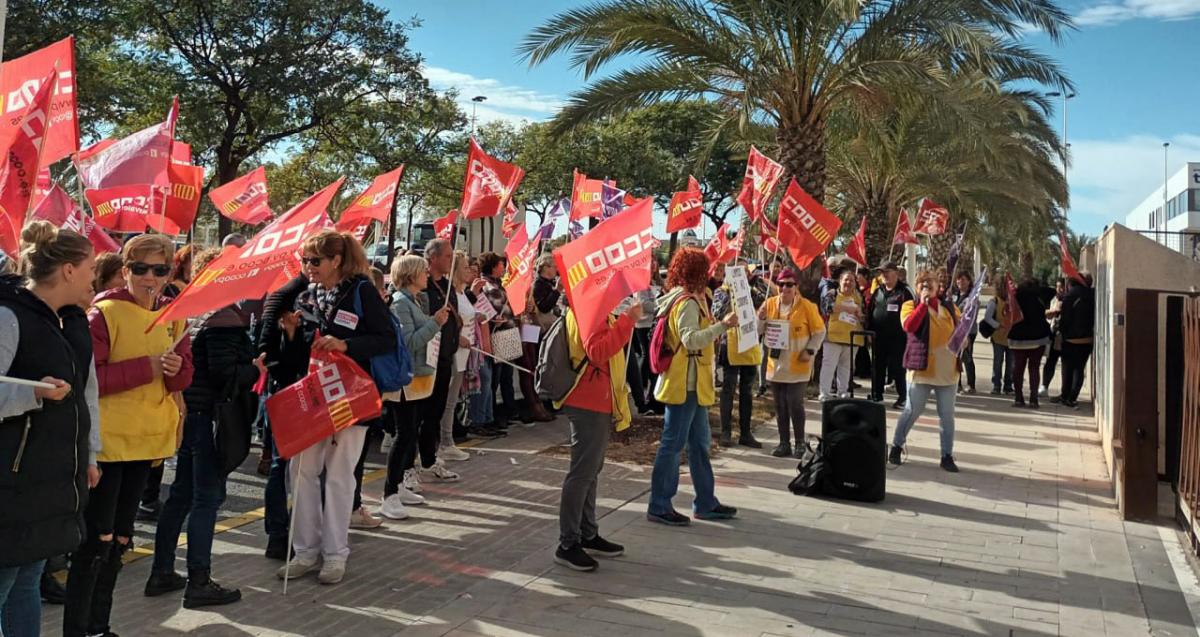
(932, 366)
(327, 317)
(141, 368)
(686, 388)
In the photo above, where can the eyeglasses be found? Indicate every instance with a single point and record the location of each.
(140, 269)
(312, 261)
(787, 284)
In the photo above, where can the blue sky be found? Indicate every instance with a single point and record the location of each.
(1133, 62)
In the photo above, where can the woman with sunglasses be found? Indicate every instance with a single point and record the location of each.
(932, 367)
(341, 311)
(141, 371)
(686, 388)
(789, 370)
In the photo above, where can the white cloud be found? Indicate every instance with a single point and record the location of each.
(504, 102)
(1109, 13)
(1109, 178)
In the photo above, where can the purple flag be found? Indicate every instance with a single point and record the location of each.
(955, 250)
(612, 200)
(559, 209)
(575, 230)
(970, 311)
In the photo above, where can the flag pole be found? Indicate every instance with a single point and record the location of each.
(287, 566)
(392, 229)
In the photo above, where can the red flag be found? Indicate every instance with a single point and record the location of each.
(1069, 269)
(607, 264)
(444, 226)
(141, 158)
(356, 226)
(10, 241)
(124, 208)
(43, 183)
(259, 267)
(488, 185)
(55, 207)
(337, 394)
(20, 81)
(857, 249)
(761, 176)
(931, 218)
(685, 208)
(182, 199)
(376, 201)
(518, 280)
(717, 246)
(244, 199)
(805, 227)
(904, 233)
(1012, 310)
(19, 167)
(586, 199)
(509, 227)
(80, 222)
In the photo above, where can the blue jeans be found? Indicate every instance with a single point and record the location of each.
(196, 494)
(685, 424)
(275, 518)
(482, 403)
(1002, 367)
(21, 600)
(918, 393)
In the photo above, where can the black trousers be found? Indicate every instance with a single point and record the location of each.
(402, 422)
(888, 351)
(739, 378)
(1048, 370)
(111, 509)
(1075, 357)
(429, 419)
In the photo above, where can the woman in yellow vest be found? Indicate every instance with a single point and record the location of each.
(140, 373)
(739, 369)
(686, 388)
(789, 370)
(932, 367)
(846, 317)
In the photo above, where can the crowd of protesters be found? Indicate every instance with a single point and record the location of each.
(123, 394)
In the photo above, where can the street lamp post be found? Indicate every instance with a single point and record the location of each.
(1066, 146)
(1166, 170)
(475, 101)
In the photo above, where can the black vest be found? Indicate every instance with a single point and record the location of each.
(44, 452)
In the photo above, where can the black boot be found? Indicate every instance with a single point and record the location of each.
(747, 439)
(277, 548)
(727, 435)
(106, 582)
(161, 583)
(81, 584)
(203, 591)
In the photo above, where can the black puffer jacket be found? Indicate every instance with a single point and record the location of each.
(223, 356)
(1034, 326)
(44, 453)
(1078, 321)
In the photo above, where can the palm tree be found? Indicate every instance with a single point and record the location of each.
(787, 64)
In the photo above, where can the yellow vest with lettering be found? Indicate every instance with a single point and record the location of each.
(138, 423)
(672, 386)
(803, 321)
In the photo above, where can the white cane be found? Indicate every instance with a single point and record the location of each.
(287, 567)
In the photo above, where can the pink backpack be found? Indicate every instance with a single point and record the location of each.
(660, 354)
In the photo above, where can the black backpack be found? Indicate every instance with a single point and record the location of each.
(810, 475)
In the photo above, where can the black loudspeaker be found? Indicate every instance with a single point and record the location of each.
(854, 437)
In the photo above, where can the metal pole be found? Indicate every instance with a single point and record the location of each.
(1166, 152)
(391, 235)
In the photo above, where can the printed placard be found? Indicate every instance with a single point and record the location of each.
(775, 335)
(484, 307)
(432, 350)
(743, 303)
(530, 333)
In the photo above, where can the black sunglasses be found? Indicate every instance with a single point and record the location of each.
(140, 269)
(312, 261)
(787, 284)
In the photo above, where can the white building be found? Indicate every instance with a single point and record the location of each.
(1177, 224)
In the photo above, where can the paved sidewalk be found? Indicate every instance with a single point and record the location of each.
(1025, 541)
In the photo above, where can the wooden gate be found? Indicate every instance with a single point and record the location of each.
(1189, 460)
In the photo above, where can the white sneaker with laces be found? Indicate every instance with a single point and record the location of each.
(385, 445)
(412, 481)
(298, 568)
(332, 572)
(453, 454)
(362, 519)
(439, 471)
(393, 508)
(409, 498)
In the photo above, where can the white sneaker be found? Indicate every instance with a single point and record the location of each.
(362, 519)
(299, 568)
(412, 481)
(453, 454)
(408, 498)
(332, 572)
(393, 508)
(439, 471)
(1044, 393)
(385, 445)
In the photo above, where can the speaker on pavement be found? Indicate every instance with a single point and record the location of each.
(854, 437)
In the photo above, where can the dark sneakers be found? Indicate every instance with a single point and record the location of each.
(277, 548)
(672, 518)
(782, 451)
(896, 456)
(203, 591)
(575, 558)
(161, 583)
(720, 512)
(748, 440)
(602, 547)
(948, 464)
